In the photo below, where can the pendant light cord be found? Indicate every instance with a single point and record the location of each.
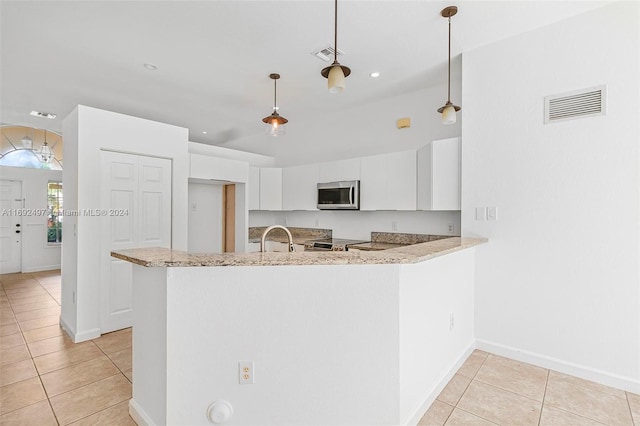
(449, 67)
(335, 33)
(275, 91)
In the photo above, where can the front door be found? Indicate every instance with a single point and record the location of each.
(10, 226)
(136, 195)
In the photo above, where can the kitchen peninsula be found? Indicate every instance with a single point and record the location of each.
(362, 337)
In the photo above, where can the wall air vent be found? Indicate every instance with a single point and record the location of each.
(579, 104)
(327, 53)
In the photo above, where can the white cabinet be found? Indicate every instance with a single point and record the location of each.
(214, 168)
(299, 187)
(271, 188)
(439, 175)
(388, 181)
(334, 171)
(254, 188)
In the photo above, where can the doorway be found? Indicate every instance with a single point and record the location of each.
(229, 219)
(11, 203)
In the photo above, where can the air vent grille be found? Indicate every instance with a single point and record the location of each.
(579, 104)
(327, 53)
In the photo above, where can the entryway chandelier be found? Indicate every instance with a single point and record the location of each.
(275, 121)
(448, 110)
(336, 73)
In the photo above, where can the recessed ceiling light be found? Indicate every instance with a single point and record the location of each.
(150, 67)
(43, 114)
(374, 75)
(204, 133)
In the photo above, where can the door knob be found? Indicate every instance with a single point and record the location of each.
(17, 231)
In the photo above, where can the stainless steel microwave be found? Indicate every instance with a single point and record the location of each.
(344, 195)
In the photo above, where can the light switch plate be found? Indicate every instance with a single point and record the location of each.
(492, 213)
(481, 213)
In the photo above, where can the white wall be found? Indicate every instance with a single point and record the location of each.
(558, 283)
(257, 160)
(360, 224)
(37, 255)
(88, 131)
(205, 218)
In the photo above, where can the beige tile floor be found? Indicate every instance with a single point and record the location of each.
(46, 379)
(489, 389)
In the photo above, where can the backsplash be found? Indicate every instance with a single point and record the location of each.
(359, 224)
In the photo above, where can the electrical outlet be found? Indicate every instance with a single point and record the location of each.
(451, 321)
(394, 226)
(492, 213)
(451, 228)
(245, 372)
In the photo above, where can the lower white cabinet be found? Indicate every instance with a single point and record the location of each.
(299, 187)
(388, 181)
(271, 188)
(439, 175)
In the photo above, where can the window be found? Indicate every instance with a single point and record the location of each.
(54, 202)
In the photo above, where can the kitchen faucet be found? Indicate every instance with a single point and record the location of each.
(269, 229)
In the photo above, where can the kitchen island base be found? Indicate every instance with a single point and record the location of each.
(330, 344)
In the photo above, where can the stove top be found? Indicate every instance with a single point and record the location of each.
(330, 244)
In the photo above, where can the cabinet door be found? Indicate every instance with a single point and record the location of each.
(271, 189)
(299, 187)
(334, 171)
(254, 188)
(439, 175)
(388, 181)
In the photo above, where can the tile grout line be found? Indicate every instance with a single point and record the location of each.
(633, 420)
(544, 395)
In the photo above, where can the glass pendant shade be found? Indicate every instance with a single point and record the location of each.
(337, 80)
(449, 115)
(27, 142)
(45, 153)
(275, 122)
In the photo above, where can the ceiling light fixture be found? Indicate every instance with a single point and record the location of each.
(374, 75)
(336, 73)
(150, 67)
(45, 152)
(43, 114)
(449, 110)
(275, 121)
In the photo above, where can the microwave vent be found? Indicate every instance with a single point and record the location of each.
(579, 104)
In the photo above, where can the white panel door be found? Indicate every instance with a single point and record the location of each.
(136, 195)
(10, 226)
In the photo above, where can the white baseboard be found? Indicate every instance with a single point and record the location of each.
(79, 337)
(138, 414)
(41, 268)
(431, 397)
(603, 377)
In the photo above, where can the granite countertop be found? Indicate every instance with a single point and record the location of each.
(392, 240)
(163, 257)
(376, 246)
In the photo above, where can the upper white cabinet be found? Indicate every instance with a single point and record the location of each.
(334, 171)
(271, 188)
(388, 181)
(254, 188)
(299, 187)
(206, 167)
(439, 175)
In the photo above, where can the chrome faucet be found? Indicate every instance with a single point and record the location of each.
(269, 229)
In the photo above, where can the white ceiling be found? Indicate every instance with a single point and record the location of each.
(214, 57)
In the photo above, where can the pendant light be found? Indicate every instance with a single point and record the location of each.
(45, 152)
(275, 121)
(336, 73)
(449, 110)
